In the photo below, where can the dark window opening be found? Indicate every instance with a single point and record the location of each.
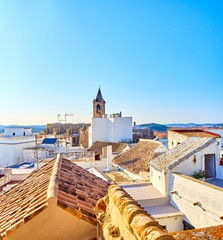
(13, 134)
(98, 108)
(24, 134)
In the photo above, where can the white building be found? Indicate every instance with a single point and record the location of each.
(110, 129)
(171, 174)
(12, 141)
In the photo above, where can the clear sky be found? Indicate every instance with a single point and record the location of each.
(156, 60)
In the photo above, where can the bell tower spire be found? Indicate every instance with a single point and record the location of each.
(98, 105)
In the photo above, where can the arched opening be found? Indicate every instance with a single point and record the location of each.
(98, 108)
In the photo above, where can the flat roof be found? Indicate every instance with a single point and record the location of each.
(163, 211)
(141, 191)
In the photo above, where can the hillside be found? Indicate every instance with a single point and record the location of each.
(155, 127)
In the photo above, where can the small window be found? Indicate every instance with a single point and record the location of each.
(160, 178)
(13, 134)
(24, 134)
(98, 108)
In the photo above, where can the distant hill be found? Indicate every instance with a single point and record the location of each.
(155, 127)
(195, 125)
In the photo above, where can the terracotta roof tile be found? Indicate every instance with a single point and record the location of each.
(181, 152)
(137, 158)
(135, 219)
(116, 147)
(209, 233)
(196, 133)
(75, 189)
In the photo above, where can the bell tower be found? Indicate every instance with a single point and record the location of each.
(98, 105)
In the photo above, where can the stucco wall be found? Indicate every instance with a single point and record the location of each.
(158, 180)
(112, 129)
(174, 138)
(29, 155)
(54, 223)
(190, 165)
(11, 153)
(173, 224)
(189, 191)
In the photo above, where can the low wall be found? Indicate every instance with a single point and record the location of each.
(121, 217)
(200, 202)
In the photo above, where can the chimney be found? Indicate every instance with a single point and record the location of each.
(109, 158)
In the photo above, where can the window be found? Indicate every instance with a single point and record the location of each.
(13, 134)
(24, 134)
(98, 108)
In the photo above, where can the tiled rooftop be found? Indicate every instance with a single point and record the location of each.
(209, 233)
(75, 189)
(196, 133)
(137, 158)
(181, 152)
(116, 147)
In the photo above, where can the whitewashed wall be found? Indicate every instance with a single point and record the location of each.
(173, 224)
(11, 150)
(18, 132)
(189, 191)
(114, 129)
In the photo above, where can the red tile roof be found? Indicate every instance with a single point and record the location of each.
(209, 233)
(75, 189)
(136, 159)
(196, 133)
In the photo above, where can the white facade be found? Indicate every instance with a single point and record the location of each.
(110, 129)
(12, 143)
(220, 132)
(200, 202)
(195, 162)
(17, 132)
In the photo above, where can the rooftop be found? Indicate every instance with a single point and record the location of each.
(145, 194)
(116, 147)
(137, 158)
(121, 217)
(196, 133)
(181, 152)
(209, 233)
(76, 190)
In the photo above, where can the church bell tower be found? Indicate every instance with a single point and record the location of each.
(98, 105)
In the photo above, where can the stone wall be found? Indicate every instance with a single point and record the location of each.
(83, 137)
(175, 138)
(144, 133)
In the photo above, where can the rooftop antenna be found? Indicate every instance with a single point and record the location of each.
(67, 115)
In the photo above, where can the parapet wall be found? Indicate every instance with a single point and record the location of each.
(121, 217)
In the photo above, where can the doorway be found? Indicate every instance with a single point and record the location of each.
(209, 160)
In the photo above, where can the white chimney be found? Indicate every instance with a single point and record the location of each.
(109, 158)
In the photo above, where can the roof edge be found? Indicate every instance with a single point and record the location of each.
(52, 191)
(208, 143)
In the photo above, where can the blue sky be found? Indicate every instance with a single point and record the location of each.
(158, 61)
